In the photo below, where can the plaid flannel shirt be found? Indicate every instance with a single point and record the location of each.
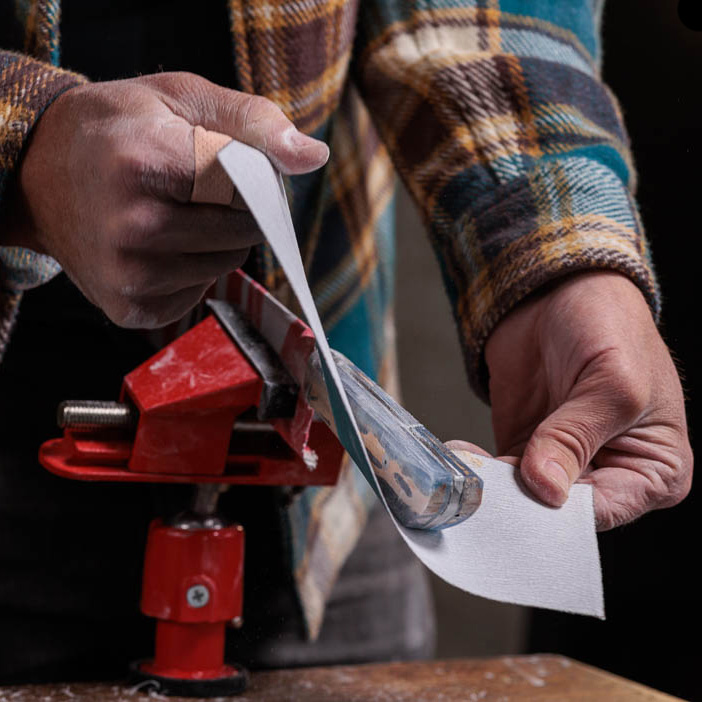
(492, 112)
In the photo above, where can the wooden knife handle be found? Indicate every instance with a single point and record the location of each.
(425, 485)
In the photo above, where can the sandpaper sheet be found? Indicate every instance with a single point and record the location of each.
(514, 548)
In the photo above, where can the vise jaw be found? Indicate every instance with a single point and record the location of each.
(198, 411)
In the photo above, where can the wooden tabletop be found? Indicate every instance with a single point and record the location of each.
(544, 678)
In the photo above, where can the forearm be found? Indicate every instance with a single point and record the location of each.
(514, 150)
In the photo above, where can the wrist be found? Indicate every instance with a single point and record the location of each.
(35, 176)
(582, 288)
(559, 328)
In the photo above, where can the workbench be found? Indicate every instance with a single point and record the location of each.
(543, 678)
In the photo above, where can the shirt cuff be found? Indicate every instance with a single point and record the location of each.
(23, 269)
(566, 216)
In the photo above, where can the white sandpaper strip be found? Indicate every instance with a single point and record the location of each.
(261, 187)
(513, 548)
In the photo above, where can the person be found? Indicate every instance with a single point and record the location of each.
(494, 115)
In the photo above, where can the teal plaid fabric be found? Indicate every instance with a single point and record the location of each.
(494, 115)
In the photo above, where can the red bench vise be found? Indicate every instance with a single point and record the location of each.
(201, 411)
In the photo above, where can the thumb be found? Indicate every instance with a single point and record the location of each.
(563, 445)
(251, 119)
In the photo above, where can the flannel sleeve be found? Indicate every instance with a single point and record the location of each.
(500, 126)
(27, 88)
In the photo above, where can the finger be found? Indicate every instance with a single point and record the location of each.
(162, 166)
(563, 445)
(620, 496)
(159, 311)
(210, 181)
(459, 445)
(180, 163)
(251, 119)
(511, 460)
(633, 475)
(201, 229)
(143, 278)
(203, 268)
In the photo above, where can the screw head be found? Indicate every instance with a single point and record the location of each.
(197, 596)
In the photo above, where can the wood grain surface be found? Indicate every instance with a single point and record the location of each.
(544, 678)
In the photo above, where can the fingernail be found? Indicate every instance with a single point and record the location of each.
(297, 138)
(558, 479)
(301, 141)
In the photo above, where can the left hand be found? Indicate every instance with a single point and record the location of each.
(583, 388)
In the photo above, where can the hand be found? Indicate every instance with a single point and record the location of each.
(104, 188)
(584, 389)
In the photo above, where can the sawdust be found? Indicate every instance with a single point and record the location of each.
(88, 693)
(341, 684)
(439, 681)
(534, 669)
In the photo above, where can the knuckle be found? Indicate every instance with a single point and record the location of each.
(133, 170)
(617, 514)
(185, 77)
(248, 111)
(630, 393)
(173, 81)
(133, 232)
(577, 439)
(134, 310)
(176, 306)
(678, 494)
(237, 259)
(137, 314)
(678, 479)
(190, 80)
(261, 108)
(153, 173)
(605, 518)
(134, 278)
(631, 397)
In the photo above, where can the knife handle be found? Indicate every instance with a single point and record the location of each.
(425, 485)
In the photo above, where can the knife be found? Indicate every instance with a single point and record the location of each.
(425, 485)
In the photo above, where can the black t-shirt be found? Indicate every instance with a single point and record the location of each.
(107, 40)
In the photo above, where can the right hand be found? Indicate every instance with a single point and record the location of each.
(104, 188)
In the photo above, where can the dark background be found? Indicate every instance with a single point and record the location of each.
(653, 63)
